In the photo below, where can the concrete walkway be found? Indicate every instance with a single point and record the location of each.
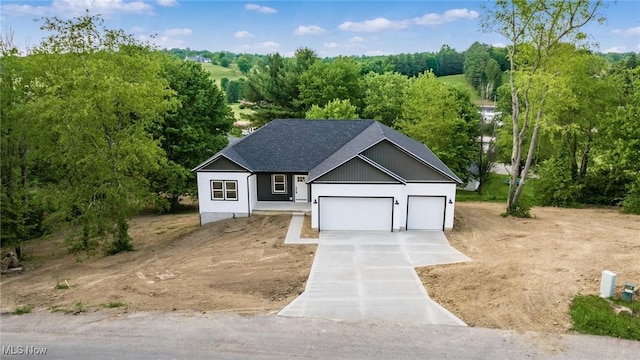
(371, 276)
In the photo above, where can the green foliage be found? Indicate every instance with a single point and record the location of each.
(536, 31)
(556, 186)
(235, 90)
(194, 130)
(475, 62)
(21, 310)
(322, 82)
(335, 109)
(631, 202)
(273, 87)
(593, 315)
(450, 62)
(244, 64)
(521, 210)
(384, 96)
(92, 163)
(444, 118)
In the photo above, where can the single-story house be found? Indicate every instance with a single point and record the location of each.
(354, 174)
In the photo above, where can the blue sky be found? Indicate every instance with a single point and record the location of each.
(329, 27)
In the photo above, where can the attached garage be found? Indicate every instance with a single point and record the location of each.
(426, 212)
(355, 213)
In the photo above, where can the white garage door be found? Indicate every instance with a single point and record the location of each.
(426, 213)
(355, 213)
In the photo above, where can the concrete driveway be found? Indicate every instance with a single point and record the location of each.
(371, 276)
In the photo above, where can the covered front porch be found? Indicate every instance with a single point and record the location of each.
(271, 207)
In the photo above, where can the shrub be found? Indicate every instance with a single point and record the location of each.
(20, 310)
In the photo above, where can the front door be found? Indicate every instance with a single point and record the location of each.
(301, 194)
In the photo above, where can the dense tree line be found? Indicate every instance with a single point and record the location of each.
(96, 126)
(439, 115)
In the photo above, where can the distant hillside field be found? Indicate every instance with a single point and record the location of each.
(460, 80)
(218, 72)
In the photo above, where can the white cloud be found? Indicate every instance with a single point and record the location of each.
(331, 45)
(137, 29)
(308, 30)
(615, 49)
(377, 24)
(167, 3)
(429, 19)
(70, 8)
(499, 45)
(242, 34)
(357, 40)
(17, 10)
(177, 32)
(260, 9)
(263, 46)
(432, 19)
(627, 32)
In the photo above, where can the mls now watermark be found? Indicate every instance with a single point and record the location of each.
(24, 350)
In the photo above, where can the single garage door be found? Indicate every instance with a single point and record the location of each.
(426, 213)
(355, 213)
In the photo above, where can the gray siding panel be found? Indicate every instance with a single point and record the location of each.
(356, 170)
(222, 163)
(402, 164)
(265, 192)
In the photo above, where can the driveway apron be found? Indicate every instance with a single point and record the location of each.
(371, 276)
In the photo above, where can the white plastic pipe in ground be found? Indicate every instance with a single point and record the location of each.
(607, 283)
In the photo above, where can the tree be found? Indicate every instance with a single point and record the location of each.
(21, 213)
(235, 90)
(98, 93)
(442, 117)
(475, 63)
(622, 136)
(334, 109)
(244, 64)
(324, 82)
(384, 96)
(450, 62)
(196, 129)
(534, 30)
(272, 87)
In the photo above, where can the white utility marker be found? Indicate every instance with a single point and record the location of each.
(607, 283)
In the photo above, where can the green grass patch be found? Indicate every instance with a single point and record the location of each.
(461, 80)
(596, 316)
(496, 189)
(218, 72)
(21, 310)
(238, 112)
(114, 304)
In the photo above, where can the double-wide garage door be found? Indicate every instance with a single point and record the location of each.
(355, 213)
(425, 213)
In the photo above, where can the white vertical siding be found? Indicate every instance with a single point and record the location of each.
(214, 210)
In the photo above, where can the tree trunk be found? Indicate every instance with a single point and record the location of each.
(516, 144)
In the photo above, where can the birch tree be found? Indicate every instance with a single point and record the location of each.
(534, 30)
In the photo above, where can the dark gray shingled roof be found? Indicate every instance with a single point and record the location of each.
(317, 146)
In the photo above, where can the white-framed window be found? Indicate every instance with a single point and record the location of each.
(224, 190)
(279, 183)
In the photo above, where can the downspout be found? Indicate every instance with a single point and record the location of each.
(249, 196)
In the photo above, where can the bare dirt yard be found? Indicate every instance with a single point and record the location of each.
(523, 274)
(238, 265)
